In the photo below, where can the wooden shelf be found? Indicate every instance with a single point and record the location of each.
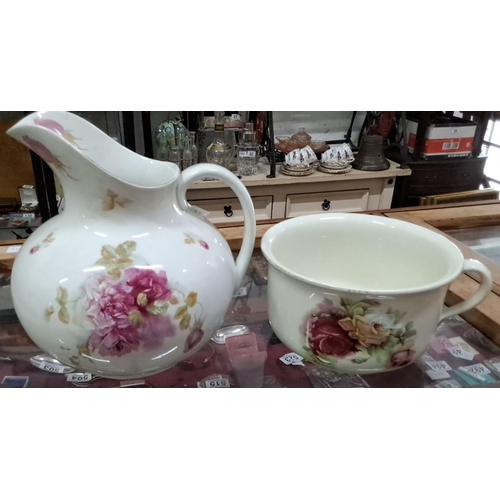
(261, 179)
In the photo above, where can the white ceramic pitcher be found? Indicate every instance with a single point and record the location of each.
(126, 281)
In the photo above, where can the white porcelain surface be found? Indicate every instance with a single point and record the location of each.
(360, 293)
(125, 282)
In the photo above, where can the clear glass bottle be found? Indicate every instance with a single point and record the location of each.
(194, 147)
(247, 152)
(174, 155)
(187, 153)
(219, 152)
(162, 151)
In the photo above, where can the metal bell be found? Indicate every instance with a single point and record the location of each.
(371, 155)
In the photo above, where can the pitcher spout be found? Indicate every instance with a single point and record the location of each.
(90, 165)
(66, 141)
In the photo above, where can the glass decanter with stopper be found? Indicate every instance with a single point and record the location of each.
(247, 152)
(219, 152)
(189, 151)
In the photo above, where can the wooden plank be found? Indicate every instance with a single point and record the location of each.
(460, 216)
(6, 243)
(485, 316)
(7, 259)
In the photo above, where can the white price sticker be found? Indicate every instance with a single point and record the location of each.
(246, 154)
(460, 342)
(460, 352)
(494, 364)
(49, 367)
(217, 383)
(478, 369)
(425, 357)
(439, 365)
(292, 359)
(448, 384)
(13, 249)
(437, 374)
(235, 117)
(28, 216)
(79, 377)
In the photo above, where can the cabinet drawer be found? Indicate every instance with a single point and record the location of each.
(446, 175)
(229, 209)
(355, 200)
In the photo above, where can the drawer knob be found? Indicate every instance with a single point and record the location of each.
(228, 211)
(430, 178)
(326, 205)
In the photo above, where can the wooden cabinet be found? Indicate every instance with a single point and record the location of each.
(284, 196)
(438, 177)
(229, 209)
(354, 200)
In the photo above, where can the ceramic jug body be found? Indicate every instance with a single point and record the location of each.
(125, 282)
(359, 293)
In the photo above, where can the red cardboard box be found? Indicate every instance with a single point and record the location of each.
(445, 137)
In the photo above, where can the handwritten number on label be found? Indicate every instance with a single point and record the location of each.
(216, 384)
(79, 377)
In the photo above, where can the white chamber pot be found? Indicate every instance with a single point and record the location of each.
(360, 293)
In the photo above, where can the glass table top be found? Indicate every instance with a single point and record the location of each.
(216, 365)
(484, 240)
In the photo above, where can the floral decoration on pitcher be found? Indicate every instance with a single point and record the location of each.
(45, 243)
(112, 200)
(191, 240)
(126, 309)
(45, 154)
(58, 129)
(358, 332)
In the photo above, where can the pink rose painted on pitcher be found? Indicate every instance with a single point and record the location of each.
(126, 309)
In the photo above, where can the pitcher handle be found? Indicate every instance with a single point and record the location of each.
(479, 295)
(196, 173)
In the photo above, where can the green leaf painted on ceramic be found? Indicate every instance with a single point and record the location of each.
(409, 334)
(63, 315)
(186, 320)
(409, 326)
(191, 299)
(135, 318)
(358, 361)
(382, 356)
(181, 311)
(159, 308)
(62, 296)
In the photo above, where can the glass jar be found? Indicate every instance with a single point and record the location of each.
(247, 153)
(219, 151)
